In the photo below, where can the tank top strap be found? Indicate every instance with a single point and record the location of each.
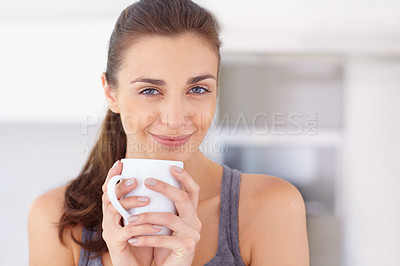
(85, 257)
(228, 252)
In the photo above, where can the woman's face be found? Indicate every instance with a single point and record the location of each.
(166, 86)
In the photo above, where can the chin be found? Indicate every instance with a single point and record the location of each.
(157, 151)
(172, 156)
(179, 154)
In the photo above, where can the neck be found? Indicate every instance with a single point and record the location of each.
(206, 173)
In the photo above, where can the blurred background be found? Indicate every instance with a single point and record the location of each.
(309, 92)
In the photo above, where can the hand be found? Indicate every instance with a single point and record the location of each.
(116, 236)
(180, 247)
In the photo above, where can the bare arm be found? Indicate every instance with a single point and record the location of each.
(280, 232)
(44, 245)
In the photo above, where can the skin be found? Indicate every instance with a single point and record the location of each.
(276, 233)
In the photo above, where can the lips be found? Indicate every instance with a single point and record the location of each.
(171, 141)
(173, 138)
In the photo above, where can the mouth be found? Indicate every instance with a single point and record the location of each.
(171, 141)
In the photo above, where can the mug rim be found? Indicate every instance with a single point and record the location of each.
(127, 159)
(153, 161)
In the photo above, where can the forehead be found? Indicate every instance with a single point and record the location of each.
(158, 55)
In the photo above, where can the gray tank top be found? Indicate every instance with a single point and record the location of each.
(228, 252)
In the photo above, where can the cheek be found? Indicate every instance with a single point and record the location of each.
(205, 117)
(130, 122)
(137, 115)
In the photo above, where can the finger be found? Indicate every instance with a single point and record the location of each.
(131, 202)
(129, 231)
(191, 187)
(116, 169)
(168, 219)
(124, 187)
(111, 216)
(127, 203)
(182, 200)
(134, 202)
(185, 245)
(105, 206)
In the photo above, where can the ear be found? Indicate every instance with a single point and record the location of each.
(109, 92)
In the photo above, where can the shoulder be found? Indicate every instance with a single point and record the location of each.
(46, 209)
(53, 198)
(272, 191)
(278, 226)
(45, 247)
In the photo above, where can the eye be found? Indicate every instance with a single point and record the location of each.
(148, 90)
(198, 89)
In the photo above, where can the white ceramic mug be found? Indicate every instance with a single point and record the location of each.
(141, 169)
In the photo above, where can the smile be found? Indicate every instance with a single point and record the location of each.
(171, 141)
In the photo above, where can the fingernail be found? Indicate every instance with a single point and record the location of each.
(143, 199)
(130, 182)
(158, 226)
(115, 164)
(176, 168)
(133, 240)
(150, 181)
(133, 219)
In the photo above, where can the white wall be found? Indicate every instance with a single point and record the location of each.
(51, 70)
(371, 180)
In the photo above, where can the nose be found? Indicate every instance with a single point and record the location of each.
(173, 113)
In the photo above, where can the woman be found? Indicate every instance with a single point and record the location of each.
(162, 79)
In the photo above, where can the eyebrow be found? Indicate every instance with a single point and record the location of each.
(160, 82)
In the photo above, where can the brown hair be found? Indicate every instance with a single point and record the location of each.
(83, 204)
